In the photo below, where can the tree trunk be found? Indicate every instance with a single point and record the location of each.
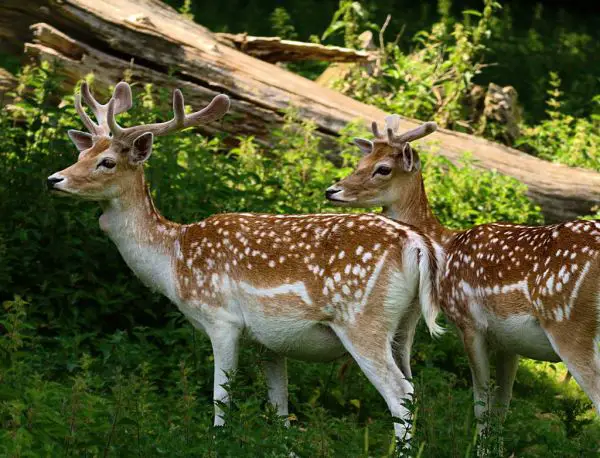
(150, 41)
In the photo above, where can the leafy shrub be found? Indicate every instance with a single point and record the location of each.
(528, 39)
(432, 81)
(351, 18)
(281, 22)
(462, 196)
(561, 137)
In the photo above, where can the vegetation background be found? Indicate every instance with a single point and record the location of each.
(94, 364)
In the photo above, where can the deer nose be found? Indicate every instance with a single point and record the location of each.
(52, 181)
(331, 191)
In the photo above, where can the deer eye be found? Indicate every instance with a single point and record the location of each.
(382, 170)
(107, 163)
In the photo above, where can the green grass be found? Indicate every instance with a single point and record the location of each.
(148, 392)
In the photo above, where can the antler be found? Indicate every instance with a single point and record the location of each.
(391, 125)
(215, 110)
(122, 97)
(419, 132)
(375, 130)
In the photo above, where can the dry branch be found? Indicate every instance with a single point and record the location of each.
(152, 42)
(274, 49)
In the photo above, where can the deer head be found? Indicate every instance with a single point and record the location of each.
(111, 157)
(389, 168)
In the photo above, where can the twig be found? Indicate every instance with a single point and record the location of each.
(397, 39)
(381, 55)
(382, 31)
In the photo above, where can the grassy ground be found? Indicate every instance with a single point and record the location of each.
(147, 392)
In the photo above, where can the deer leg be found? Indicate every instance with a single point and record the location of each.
(506, 371)
(277, 383)
(477, 352)
(374, 356)
(225, 344)
(403, 340)
(577, 347)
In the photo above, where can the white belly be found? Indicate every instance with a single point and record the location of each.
(289, 334)
(520, 334)
(280, 319)
(294, 337)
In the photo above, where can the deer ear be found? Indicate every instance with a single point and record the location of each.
(142, 148)
(410, 159)
(366, 146)
(82, 140)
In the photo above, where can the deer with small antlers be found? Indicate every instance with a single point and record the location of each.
(311, 287)
(513, 289)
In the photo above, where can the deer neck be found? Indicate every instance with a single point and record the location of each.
(413, 208)
(147, 241)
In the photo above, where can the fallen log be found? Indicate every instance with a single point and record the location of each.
(74, 60)
(158, 44)
(274, 49)
(338, 71)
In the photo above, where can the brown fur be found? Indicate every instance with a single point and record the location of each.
(550, 259)
(265, 251)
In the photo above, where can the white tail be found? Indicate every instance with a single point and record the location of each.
(430, 264)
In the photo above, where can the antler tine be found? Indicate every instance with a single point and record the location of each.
(390, 135)
(422, 131)
(97, 108)
(123, 102)
(178, 108)
(375, 130)
(87, 121)
(115, 129)
(215, 110)
(178, 121)
(88, 97)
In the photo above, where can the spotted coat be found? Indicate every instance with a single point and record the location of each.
(331, 264)
(543, 270)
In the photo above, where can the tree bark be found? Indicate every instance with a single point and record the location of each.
(150, 41)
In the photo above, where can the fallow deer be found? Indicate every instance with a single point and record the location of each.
(514, 289)
(311, 287)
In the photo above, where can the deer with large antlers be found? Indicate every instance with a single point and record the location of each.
(311, 287)
(513, 289)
